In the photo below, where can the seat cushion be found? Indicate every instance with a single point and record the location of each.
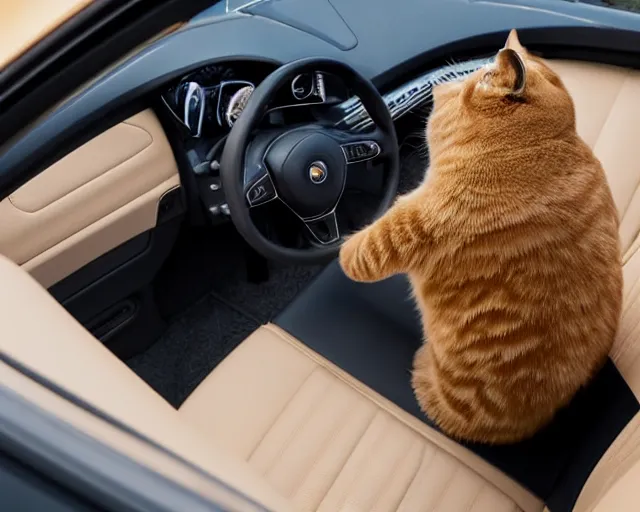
(329, 443)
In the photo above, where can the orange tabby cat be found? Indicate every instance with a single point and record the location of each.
(511, 245)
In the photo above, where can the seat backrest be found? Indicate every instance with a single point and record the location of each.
(607, 100)
(38, 333)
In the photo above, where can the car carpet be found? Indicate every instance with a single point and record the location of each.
(195, 342)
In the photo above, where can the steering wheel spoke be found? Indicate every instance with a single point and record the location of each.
(258, 185)
(360, 147)
(324, 229)
(260, 190)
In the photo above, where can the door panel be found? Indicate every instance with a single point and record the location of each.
(94, 199)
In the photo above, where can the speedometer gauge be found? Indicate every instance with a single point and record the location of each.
(303, 86)
(236, 104)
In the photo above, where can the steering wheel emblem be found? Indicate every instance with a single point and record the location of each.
(318, 172)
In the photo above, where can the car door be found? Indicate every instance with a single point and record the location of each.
(95, 227)
(92, 217)
(93, 200)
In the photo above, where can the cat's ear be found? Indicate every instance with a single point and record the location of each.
(508, 75)
(513, 43)
(511, 72)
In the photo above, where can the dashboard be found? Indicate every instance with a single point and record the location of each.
(208, 101)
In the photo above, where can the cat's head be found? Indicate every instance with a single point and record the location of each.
(517, 99)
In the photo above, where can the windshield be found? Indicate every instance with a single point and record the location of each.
(25, 22)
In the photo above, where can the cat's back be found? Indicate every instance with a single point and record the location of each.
(528, 266)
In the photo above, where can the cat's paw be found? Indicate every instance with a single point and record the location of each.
(349, 258)
(352, 260)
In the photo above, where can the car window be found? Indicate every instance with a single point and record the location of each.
(24, 23)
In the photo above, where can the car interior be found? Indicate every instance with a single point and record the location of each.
(237, 344)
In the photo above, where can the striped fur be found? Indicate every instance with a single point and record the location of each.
(511, 244)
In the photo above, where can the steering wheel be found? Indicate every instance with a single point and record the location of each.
(304, 167)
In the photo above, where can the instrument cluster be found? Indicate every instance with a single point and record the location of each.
(212, 98)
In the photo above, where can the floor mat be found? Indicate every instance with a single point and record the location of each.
(192, 346)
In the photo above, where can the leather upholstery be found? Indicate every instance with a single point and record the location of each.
(621, 457)
(24, 24)
(91, 201)
(608, 119)
(328, 443)
(623, 493)
(129, 445)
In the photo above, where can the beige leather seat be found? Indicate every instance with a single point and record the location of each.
(294, 432)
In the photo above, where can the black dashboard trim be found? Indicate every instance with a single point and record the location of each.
(593, 43)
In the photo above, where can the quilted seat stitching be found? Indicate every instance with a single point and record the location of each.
(348, 458)
(321, 449)
(409, 481)
(445, 489)
(287, 338)
(475, 498)
(284, 408)
(358, 477)
(432, 457)
(299, 427)
(396, 464)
